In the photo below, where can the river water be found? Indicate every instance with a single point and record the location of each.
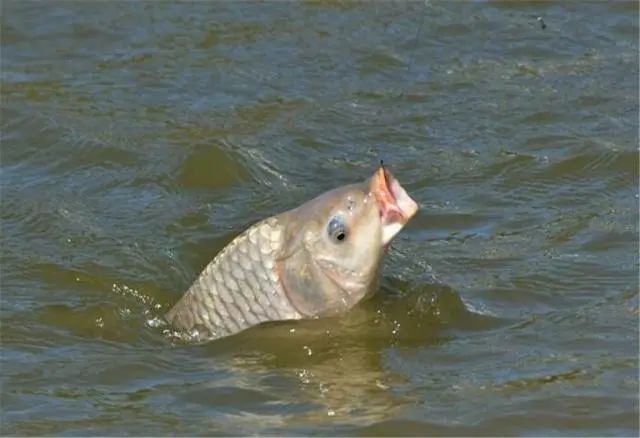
(138, 138)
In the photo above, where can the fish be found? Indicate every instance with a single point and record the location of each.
(319, 259)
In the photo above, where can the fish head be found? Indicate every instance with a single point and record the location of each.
(337, 242)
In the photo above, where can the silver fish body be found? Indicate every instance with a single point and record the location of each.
(318, 259)
(239, 288)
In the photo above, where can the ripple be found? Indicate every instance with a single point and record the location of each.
(196, 171)
(137, 140)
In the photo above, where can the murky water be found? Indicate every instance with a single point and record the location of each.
(139, 137)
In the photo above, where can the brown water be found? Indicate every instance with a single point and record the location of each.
(139, 137)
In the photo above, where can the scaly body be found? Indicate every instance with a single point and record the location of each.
(239, 288)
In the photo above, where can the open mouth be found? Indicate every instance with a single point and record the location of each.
(395, 205)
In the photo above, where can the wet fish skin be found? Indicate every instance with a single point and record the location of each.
(239, 288)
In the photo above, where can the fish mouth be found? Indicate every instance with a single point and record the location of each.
(395, 205)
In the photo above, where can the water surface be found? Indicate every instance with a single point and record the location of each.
(138, 138)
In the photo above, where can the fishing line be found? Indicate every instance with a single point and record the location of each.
(417, 38)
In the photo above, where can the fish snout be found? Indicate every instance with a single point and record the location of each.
(394, 204)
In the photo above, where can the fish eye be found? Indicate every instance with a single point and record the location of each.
(337, 230)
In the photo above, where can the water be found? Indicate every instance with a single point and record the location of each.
(138, 138)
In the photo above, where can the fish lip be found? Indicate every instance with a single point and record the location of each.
(394, 203)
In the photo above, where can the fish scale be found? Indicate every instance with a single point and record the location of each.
(238, 289)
